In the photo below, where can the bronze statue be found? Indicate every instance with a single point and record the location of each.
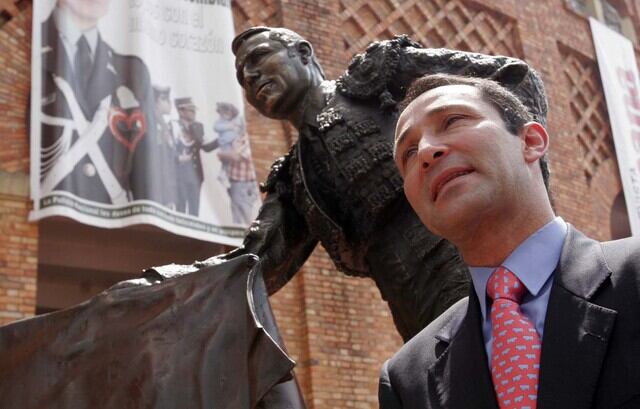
(189, 338)
(338, 185)
(139, 342)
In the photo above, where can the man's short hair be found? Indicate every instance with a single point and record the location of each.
(284, 36)
(513, 112)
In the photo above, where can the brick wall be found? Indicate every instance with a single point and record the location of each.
(18, 238)
(337, 327)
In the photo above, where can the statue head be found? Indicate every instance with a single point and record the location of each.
(276, 67)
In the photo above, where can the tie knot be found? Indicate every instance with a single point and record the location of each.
(83, 44)
(504, 284)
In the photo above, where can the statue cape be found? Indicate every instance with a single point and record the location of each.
(194, 340)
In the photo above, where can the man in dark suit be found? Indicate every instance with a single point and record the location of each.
(551, 320)
(189, 140)
(97, 108)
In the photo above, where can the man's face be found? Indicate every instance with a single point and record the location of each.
(274, 82)
(86, 10)
(187, 114)
(459, 163)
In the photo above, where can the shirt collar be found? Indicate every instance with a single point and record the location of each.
(70, 33)
(533, 261)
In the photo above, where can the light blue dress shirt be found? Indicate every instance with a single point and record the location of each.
(533, 262)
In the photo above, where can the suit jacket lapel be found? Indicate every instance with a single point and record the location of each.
(576, 331)
(54, 56)
(103, 78)
(55, 61)
(461, 374)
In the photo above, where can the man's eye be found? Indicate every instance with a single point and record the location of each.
(409, 153)
(451, 119)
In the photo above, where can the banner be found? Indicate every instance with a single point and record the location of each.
(619, 74)
(136, 117)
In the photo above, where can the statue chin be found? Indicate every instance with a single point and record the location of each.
(273, 111)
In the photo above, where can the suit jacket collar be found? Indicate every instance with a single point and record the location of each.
(460, 374)
(103, 77)
(582, 269)
(574, 345)
(54, 56)
(577, 330)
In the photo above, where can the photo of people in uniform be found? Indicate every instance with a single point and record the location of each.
(166, 144)
(122, 135)
(188, 136)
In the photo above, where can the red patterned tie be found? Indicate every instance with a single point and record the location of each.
(515, 358)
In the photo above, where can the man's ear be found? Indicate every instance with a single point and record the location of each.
(535, 141)
(304, 50)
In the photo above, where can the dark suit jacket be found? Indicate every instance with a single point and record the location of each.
(137, 170)
(590, 349)
(193, 169)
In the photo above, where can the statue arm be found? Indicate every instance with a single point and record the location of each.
(415, 62)
(512, 73)
(387, 68)
(279, 236)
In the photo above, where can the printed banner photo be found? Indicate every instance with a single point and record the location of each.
(619, 74)
(136, 117)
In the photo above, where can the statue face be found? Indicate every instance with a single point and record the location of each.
(275, 79)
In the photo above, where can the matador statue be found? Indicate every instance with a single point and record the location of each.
(140, 341)
(338, 185)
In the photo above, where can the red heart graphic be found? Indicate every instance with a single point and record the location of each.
(127, 128)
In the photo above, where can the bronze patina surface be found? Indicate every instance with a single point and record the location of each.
(338, 185)
(205, 339)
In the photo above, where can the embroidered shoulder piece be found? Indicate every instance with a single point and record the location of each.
(279, 173)
(370, 72)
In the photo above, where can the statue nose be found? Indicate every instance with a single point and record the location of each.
(250, 75)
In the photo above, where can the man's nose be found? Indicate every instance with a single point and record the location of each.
(429, 152)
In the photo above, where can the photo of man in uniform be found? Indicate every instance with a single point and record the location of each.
(166, 144)
(188, 135)
(97, 112)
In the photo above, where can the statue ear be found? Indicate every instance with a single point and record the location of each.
(304, 50)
